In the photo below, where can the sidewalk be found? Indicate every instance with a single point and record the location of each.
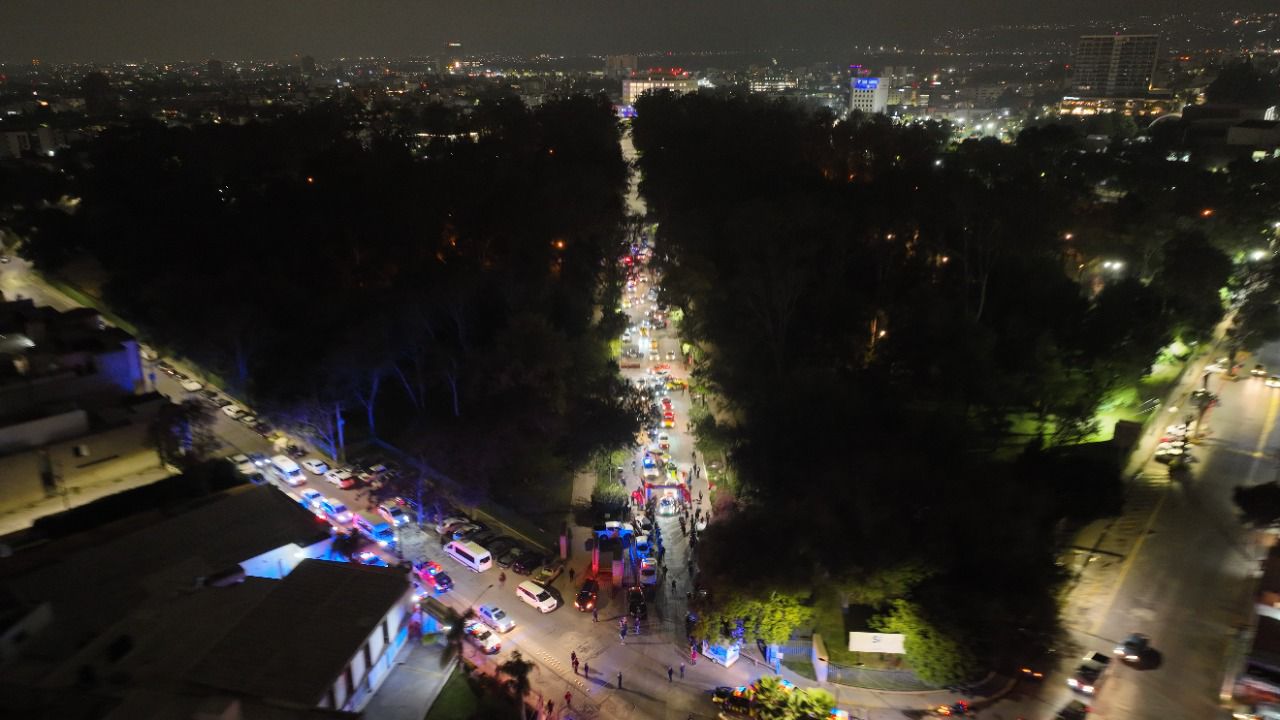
(413, 685)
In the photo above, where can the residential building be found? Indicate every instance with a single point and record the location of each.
(222, 607)
(1114, 65)
(74, 408)
(620, 66)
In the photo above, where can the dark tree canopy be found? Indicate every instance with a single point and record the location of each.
(448, 302)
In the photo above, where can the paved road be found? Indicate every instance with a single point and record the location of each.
(1175, 566)
(1188, 584)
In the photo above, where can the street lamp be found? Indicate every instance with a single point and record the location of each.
(1257, 255)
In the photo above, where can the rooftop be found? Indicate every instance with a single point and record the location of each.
(292, 662)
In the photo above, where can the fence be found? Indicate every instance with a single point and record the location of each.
(899, 680)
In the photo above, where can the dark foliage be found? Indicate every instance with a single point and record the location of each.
(448, 303)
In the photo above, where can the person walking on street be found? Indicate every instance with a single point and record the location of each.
(595, 614)
(573, 658)
(586, 669)
(681, 671)
(673, 584)
(568, 699)
(670, 673)
(693, 656)
(575, 666)
(502, 578)
(570, 576)
(619, 680)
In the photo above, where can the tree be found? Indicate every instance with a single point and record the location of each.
(739, 617)
(518, 669)
(1191, 274)
(934, 652)
(182, 434)
(1258, 320)
(771, 700)
(810, 703)
(1240, 83)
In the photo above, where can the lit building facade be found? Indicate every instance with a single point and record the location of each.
(868, 95)
(1114, 65)
(634, 87)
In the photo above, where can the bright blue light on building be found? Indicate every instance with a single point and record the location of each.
(866, 83)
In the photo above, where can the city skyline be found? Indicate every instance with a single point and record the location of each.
(81, 31)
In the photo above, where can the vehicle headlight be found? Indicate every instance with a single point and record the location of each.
(1088, 689)
(1073, 682)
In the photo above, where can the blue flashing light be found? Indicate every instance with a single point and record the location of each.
(866, 83)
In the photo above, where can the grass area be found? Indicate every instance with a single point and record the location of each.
(462, 698)
(800, 666)
(829, 621)
(456, 699)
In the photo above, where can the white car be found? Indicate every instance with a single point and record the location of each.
(233, 411)
(496, 618)
(1273, 381)
(311, 499)
(243, 464)
(314, 466)
(451, 520)
(249, 420)
(191, 385)
(341, 477)
(335, 510)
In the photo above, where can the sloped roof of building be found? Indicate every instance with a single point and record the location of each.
(121, 564)
(295, 643)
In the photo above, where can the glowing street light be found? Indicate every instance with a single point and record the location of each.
(1257, 255)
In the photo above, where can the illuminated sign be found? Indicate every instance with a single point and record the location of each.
(866, 83)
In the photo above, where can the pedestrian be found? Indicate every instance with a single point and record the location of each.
(670, 673)
(586, 669)
(571, 575)
(619, 680)
(622, 635)
(573, 658)
(681, 671)
(575, 666)
(551, 707)
(568, 699)
(693, 656)
(673, 584)
(595, 614)
(502, 578)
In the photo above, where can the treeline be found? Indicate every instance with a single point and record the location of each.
(884, 315)
(449, 303)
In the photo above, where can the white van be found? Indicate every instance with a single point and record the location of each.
(534, 594)
(287, 470)
(474, 557)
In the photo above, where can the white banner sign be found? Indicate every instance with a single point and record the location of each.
(876, 642)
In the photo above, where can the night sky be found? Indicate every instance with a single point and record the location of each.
(107, 30)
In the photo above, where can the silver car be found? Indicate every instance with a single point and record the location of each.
(496, 618)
